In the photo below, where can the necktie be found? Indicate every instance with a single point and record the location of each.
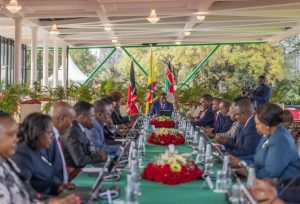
(60, 147)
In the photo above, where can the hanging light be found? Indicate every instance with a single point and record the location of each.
(187, 33)
(153, 18)
(54, 30)
(200, 18)
(107, 28)
(178, 43)
(114, 41)
(13, 6)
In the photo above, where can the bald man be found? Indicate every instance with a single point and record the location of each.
(247, 137)
(62, 115)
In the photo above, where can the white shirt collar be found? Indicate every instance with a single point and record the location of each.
(81, 127)
(56, 133)
(248, 120)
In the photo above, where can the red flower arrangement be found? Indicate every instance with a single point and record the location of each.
(162, 124)
(165, 139)
(165, 174)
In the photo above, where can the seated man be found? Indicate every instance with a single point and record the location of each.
(62, 115)
(96, 133)
(116, 115)
(206, 117)
(111, 131)
(76, 144)
(162, 105)
(277, 192)
(222, 138)
(225, 123)
(218, 117)
(247, 138)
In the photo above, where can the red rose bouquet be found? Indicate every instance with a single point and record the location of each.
(166, 137)
(162, 122)
(172, 169)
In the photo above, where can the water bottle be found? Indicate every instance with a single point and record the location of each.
(251, 177)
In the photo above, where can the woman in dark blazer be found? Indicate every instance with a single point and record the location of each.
(14, 188)
(35, 135)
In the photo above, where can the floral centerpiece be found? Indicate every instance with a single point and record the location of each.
(171, 168)
(164, 136)
(162, 122)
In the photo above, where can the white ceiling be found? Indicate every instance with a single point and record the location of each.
(82, 21)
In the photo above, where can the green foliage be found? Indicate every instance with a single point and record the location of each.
(10, 97)
(84, 59)
(287, 92)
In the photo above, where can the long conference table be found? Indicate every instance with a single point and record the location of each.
(157, 193)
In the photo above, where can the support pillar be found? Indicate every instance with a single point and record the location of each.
(33, 56)
(55, 63)
(18, 50)
(64, 65)
(45, 61)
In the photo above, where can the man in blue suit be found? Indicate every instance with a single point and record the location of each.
(163, 104)
(224, 124)
(206, 117)
(96, 133)
(247, 137)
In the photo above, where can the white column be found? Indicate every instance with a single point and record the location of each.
(33, 64)
(64, 65)
(55, 63)
(45, 61)
(17, 50)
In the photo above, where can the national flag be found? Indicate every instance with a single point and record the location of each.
(169, 88)
(151, 84)
(132, 94)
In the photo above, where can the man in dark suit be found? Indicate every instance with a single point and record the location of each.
(76, 144)
(206, 117)
(62, 115)
(96, 134)
(247, 138)
(225, 124)
(161, 105)
(261, 95)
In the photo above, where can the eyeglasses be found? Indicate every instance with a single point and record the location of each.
(240, 113)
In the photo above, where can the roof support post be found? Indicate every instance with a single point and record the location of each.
(194, 72)
(135, 62)
(99, 67)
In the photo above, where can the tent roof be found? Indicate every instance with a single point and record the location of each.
(74, 73)
(82, 22)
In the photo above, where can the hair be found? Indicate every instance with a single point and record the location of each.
(59, 108)
(82, 107)
(219, 100)
(238, 98)
(245, 105)
(116, 95)
(226, 104)
(262, 77)
(33, 128)
(271, 114)
(99, 106)
(207, 97)
(4, 116)
(108, 99)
